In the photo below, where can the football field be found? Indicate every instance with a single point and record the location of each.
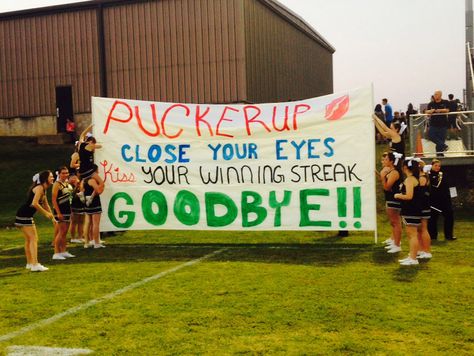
(168, 292)
(222, 293)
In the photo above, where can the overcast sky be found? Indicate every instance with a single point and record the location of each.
(406, 48)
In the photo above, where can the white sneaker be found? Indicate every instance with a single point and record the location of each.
(91, 243)
(409, 262)
(38, 268)
(388, 241)
(28, 266)
(67, 254)
(390, 245)
(394, 249)
(77, 241)
(99, 246)
(425, 255)
(58, 256)
(404, 259)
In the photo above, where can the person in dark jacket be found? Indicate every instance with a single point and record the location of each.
(440, 203)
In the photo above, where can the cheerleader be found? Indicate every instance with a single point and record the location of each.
(410, 197)
(93, 211)
(76, 228)
(60, 197)
(36, 201)
(74, 163)
(390, 178)
(87, 147)
(393, 133)
(424, 239)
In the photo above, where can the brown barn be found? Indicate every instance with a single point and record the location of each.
(52, 60)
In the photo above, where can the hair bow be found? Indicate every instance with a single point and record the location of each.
(397, 156)
(36, 178)
(403, 127)
(410, 160)
(427, 168)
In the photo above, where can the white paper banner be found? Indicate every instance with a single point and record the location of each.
(287, 166)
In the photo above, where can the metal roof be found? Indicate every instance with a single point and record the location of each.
(274, 5)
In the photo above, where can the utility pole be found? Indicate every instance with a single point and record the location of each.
(469, 138)
(469, 44)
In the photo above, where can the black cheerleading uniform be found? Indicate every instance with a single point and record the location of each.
(64, 202)
(77, 206)
(86, 168)
(24, 215)
(398, 147)
(390, 201)
(411, 209)
(95, 207)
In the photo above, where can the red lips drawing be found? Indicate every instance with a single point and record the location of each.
(337, 108)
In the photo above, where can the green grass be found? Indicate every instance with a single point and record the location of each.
(286, 293)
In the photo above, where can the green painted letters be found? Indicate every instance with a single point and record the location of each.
(252, 207)
(211, 200)
(154, 197)
(305, 207)
(272, 201)
(184, 199)
(129, 215)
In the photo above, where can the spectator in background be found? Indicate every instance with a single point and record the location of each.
(403, 117)
(396, 116)
(71, 129)
(410, 111)
(379, 113)
(453, 126)
(388, 112)
(438, 123)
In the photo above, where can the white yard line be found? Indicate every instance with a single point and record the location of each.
(12, 248)
(44, 351)
(109, 296)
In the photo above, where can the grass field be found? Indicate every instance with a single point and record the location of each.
(287, 293)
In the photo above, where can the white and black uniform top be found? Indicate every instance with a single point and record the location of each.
(398, 147)
(411, 209)
(77, 206)
(86, 168)
(24, 215)
(390, 201)
(64, 201)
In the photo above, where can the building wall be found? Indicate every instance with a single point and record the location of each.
(31, 126)
(177, 51)
(207, 51)
(283, 63)
(45, 51)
